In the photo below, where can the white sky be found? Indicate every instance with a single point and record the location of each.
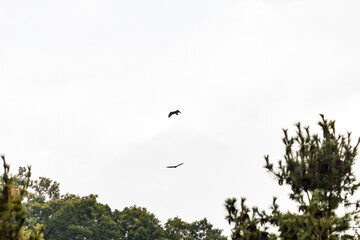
(86, 86)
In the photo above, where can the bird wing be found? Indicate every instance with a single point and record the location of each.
(171, 113)
(175, 166)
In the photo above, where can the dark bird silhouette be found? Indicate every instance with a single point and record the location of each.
(174, 112)
(175, 166)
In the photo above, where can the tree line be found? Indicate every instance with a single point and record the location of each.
(319, 168)
(35, 209)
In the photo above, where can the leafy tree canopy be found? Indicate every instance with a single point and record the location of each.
(177, 229)
(72, 217)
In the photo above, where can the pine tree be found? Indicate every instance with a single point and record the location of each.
(319, 171)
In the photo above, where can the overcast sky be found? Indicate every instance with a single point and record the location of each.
(86, 87)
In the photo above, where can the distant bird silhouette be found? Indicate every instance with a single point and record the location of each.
(174, 112)
(175, 166)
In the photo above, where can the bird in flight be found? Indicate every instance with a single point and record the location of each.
(175, 166)
(174, 112)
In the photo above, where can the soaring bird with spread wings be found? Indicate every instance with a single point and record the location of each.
(175, 165)
(174, 112)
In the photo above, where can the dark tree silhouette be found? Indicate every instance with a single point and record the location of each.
(174, 112)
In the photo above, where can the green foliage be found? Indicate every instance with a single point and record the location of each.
(136, 223)
(35, 210)
(319, 172)
(176, 229)
(203, 230)
(12, 211)
(74, 217)
(248, 224)
(313, 163)
(45, 187)
(36, 234)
